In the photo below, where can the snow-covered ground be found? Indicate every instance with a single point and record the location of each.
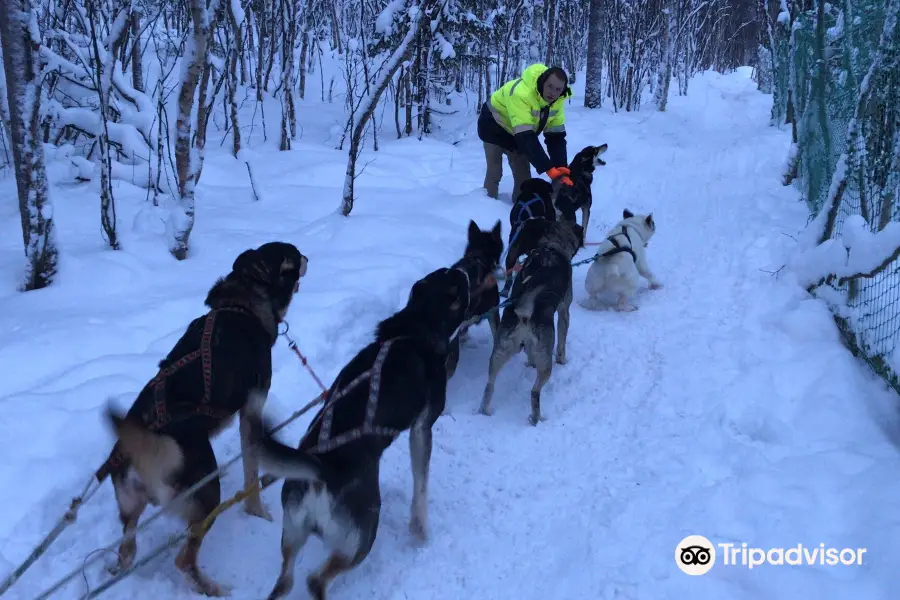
(726, 406)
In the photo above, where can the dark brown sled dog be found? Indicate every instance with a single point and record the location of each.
(163, 445)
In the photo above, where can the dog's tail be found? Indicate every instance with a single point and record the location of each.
(156, 457)
(279, 459)
(525, 304)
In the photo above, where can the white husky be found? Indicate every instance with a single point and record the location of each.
(620, 259)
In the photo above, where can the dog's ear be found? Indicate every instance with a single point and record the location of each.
(627, 214)
(304, 261)
(649, 221)
(250, 264)
(473, 231)
(418, 294)
(497, 231)
(245, 260)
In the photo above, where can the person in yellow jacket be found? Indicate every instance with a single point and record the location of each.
(514, 116)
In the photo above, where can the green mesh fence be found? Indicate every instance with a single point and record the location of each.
(823, 108)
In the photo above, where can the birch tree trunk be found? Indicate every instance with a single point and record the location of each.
(420, 16)
(537, 31)
(551, 33)
(236, 53)
(664, 69)
(304, 50)
(137, 72)
(288, 41)
(104, 65)
(21, 63)
(181, 219)
(593, 86)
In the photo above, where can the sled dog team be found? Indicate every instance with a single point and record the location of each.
(221, 367)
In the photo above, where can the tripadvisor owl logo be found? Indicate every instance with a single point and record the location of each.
(695, 555)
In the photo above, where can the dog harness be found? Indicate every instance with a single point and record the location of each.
(617, 247)
(485, 282)
(468, 286)
(325, 442)
(161, 413)
(529, 214)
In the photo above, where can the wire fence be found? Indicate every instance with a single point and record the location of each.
(835, 80)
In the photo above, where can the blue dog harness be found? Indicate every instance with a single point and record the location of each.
(525, 213)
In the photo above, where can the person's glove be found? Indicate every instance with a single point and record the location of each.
(557, 172)
(560, 173)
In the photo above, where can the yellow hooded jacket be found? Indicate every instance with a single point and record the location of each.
(518, 108)
(517, 105)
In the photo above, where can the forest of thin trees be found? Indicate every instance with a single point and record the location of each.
(133, 89)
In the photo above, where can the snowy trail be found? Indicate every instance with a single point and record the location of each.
(725, 406)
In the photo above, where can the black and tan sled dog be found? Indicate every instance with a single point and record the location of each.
(163, 445)
(397, 382)
(541, 290)
(477, 284)
(581, 171)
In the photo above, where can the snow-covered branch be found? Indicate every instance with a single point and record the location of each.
(857, 254)
(420, 14)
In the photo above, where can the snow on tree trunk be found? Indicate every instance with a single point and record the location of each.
(664, 69)
(181, 218)
(304, 54)
(104, 59)
(551, 33)
(21, 48)
(236, 52)
(537, 33)
(288, 41)
(137, 69)
(593, 86)
(401, 54)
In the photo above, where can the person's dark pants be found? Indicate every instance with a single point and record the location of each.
(518, 164)
(497, 143)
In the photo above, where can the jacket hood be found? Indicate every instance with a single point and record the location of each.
(532, 74)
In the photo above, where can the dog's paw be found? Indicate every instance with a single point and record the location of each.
(591, 303)
(561, 359)
(116, 568)
(207, 587)
(126, 554)
(216, 590)
(625, 307)
(655, 285)
(485, 410)
(282, 588)
(316, 587)
(257, 508)
(534, 419)
(418, 530)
